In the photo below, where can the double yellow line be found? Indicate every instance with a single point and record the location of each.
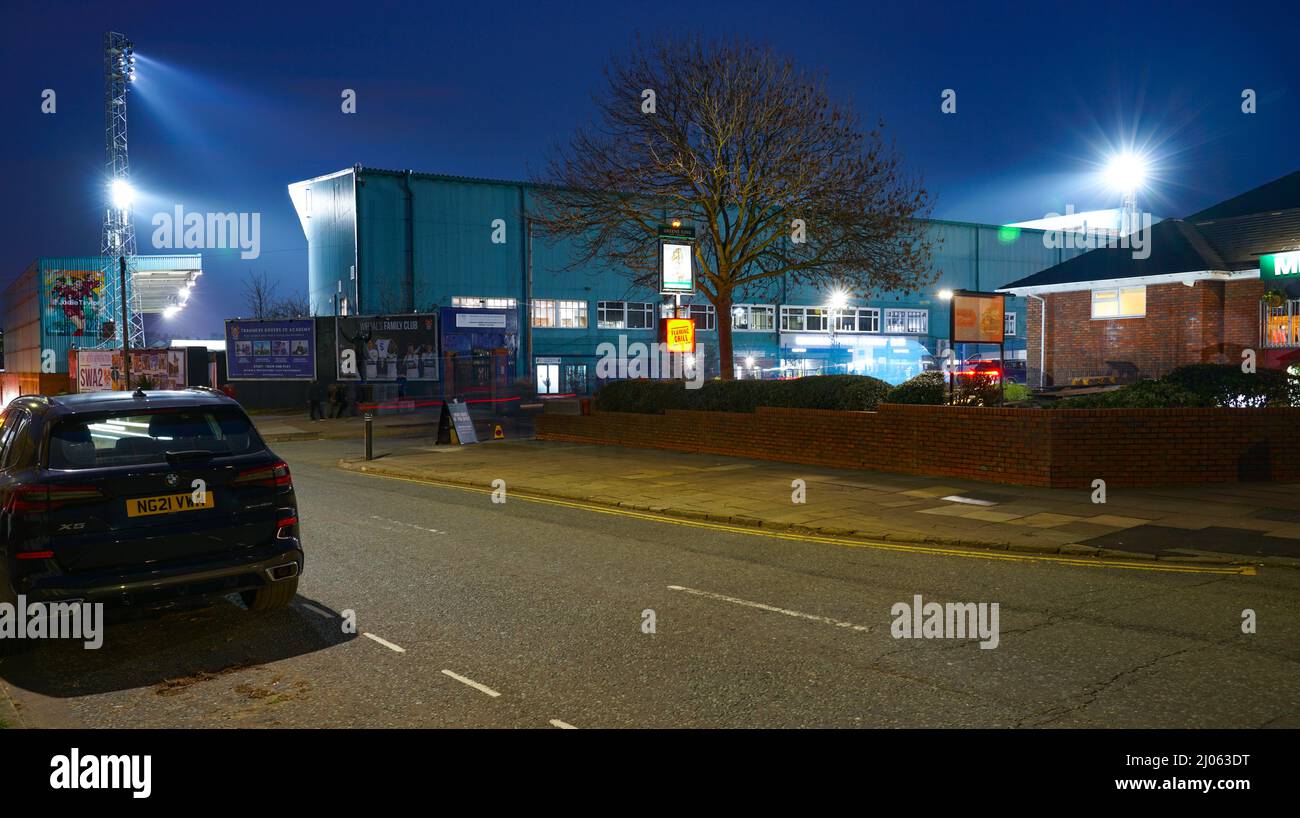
(969, 553)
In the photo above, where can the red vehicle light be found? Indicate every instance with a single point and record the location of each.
(35, 555)
(275, 474)
(49, 496)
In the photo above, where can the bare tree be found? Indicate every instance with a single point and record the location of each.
(775, 178)
(296, 305)
(259, 294)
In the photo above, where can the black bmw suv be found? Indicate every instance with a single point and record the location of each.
(141, 498)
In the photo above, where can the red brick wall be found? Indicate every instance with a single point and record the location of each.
(1210, 322)
(1067, 448)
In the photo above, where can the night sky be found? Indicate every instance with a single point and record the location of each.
(236, 100)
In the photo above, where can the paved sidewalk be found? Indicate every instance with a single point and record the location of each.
(1250, 522)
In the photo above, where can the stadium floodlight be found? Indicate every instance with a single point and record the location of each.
(121, 194)
(171, 311)
(1126, 172)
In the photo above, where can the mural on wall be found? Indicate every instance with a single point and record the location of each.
(75, 302)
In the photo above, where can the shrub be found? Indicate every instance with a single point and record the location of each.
(1140, 395)
(855, 392)
(928, 388)
(1227, 385)
(1013, 392)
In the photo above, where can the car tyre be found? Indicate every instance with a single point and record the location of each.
(271, 597)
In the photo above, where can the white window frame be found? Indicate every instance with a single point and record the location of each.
(624, 310)
(704, 315)
(857, 320)
(749, 311)
(803, 313)
(908, 318)
(1115, 295)
(1009, 324)
(474, 302)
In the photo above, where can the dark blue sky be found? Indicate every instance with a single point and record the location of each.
(236, 100)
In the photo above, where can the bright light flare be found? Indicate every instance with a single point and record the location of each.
(838, 300)
(1126, 171)
(121, 194)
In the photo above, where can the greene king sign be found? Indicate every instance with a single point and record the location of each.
(1280, 265)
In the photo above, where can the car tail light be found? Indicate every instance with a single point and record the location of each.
(35, 555)
(49, 496)
(285, 522)
(275, 475)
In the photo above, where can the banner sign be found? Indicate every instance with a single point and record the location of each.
(273, 349)
(100, 370)
(74, 303)
(977, 318)
(1280, 265)
(388, 347)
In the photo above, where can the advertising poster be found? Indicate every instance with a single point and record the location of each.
(273, 349)
(977, 318)
(387, 347)
(74, 302)
(100, 370)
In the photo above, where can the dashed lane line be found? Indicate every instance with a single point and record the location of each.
(385, 643)
(482, 688)
(825, 620)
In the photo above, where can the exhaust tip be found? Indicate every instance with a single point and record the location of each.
(287, 571)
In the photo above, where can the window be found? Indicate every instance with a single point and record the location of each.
(124, 439)
(1122, 302)
(803, 319)
(559, 314)
(475, 302)
(907, 322)
(753, 317)
(702, 314)
(624, 315)
(857, 319)
(1009, 324)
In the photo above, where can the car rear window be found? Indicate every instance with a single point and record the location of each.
(132, 439)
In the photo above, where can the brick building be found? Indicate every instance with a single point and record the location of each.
(1192, 292)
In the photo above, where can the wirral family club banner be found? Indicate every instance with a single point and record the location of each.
(388, 347)
(282, 350)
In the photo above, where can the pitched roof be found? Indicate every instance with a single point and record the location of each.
(1227, 237)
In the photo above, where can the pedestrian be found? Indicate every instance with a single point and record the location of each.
(340, 400)
(315, 397)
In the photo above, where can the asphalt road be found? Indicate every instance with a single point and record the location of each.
(521, 614)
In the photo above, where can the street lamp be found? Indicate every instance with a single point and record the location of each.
(835, 304)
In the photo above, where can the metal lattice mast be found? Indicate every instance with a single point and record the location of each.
(119, 229)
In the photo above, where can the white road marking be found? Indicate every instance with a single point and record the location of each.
(472, 683)
(407, 525)
(762, 607)
(384, 642)
(562, 725)
(317, 611)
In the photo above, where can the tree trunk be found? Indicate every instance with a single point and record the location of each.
(726, 360)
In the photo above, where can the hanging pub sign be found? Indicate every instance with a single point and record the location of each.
(676, 259)
(677, 334)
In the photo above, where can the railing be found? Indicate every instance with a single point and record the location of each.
(1279, 327)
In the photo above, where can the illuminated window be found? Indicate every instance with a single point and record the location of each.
(548, 313)
(475, 302)
(907, 322)
(1124, 302)
(753, 317)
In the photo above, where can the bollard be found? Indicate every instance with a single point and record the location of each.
(370, 436)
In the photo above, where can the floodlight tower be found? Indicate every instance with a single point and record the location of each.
(118, 247)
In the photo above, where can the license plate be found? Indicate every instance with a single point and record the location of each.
(167, 504)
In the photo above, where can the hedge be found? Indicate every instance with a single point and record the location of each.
(927, 388)
(1198, 385)
(853, 392)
